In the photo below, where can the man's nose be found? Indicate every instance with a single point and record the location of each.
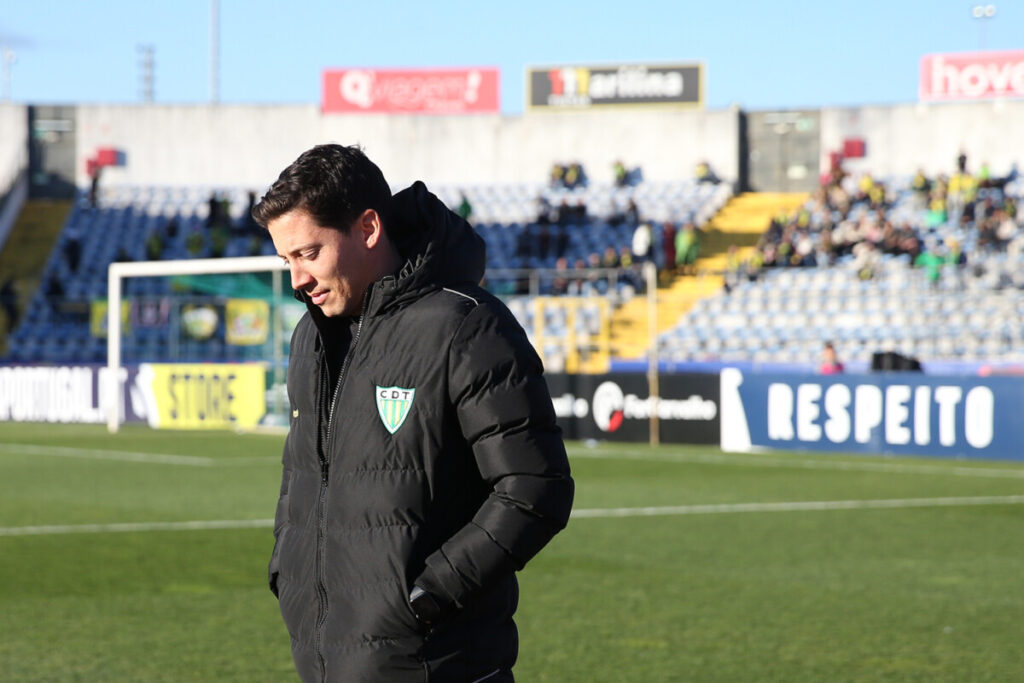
(300, 278)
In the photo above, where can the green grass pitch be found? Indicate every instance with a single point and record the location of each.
(684, 564)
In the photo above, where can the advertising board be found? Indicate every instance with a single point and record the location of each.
(972, 75)
(583, 87)
(617, 407)
(891, 413)
(411, 91)
(163, 395)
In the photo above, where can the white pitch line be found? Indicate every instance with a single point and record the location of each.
(97, 454)
(675, 510)
(800, 506)
(135, 526)
(805, 463)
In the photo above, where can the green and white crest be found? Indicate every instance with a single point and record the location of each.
(393, 404)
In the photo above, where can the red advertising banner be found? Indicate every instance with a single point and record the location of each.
(972, 75)
(420, 91)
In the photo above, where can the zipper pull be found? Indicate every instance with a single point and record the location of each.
(324, 472)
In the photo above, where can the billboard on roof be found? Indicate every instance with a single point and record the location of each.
(972, 75)
(411, 91)
(586, 87)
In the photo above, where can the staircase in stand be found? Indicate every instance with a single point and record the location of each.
(741, 221)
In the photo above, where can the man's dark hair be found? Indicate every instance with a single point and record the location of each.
(334, 183)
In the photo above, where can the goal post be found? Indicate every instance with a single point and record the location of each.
(118, 272)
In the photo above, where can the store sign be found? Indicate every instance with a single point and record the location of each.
(163, 395)
(576, 87)
(420, 91)
(972, 75)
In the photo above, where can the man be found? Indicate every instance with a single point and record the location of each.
(423, 466)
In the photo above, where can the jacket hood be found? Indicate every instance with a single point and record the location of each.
(439, 247)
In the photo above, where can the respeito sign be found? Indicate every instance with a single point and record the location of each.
(972, 75)
(581, 87)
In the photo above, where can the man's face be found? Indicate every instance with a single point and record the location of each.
(329, 265)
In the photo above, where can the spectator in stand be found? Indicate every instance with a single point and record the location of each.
(465, 209)
(931, 260)
(632, 213)
(705, 174)
(94, 186)
(830, 364)
(576, 284)
(561, 242)
(560, 284)
(194, 243)
(574, 176)
(566, 215)
(154, 245)
(866, 259)
(545, 212)
(610, 258)
(557, 176)
(687, 249)
(641, 243)
(668, 246)
(1006, 228)
(543, 242)
(73, 253)
(213, 207)
(620, 173)
(249, 224)
(580, 213)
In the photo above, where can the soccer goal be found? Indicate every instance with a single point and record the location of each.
(196, 313)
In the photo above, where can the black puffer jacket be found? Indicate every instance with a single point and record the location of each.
(452, 480)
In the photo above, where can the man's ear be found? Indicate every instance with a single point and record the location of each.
(371, 228)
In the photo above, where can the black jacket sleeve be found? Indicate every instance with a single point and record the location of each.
(505, 414)
(279, 518)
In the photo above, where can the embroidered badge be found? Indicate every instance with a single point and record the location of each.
(393, 404)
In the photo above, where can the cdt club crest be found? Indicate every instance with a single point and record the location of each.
(393, 404)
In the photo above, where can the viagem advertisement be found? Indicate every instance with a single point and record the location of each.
(163, 395)
(411, 91)
(900, 414)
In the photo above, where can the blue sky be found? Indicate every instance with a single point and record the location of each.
(760, 55)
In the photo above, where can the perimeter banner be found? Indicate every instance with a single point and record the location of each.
(891, 413)
(972, 75)
(411, 91)
(584, 87)
(163, 395)
(618, 406)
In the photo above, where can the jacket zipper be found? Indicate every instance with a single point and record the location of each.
(321, 534)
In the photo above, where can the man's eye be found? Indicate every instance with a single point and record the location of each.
(310, 255)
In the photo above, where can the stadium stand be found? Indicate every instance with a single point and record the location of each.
(928, 269)
(146, 223)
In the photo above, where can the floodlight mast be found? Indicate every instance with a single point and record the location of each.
(119, 271)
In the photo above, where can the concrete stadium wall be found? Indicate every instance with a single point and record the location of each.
(249, 145)
(13, 143)
(903, 138)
